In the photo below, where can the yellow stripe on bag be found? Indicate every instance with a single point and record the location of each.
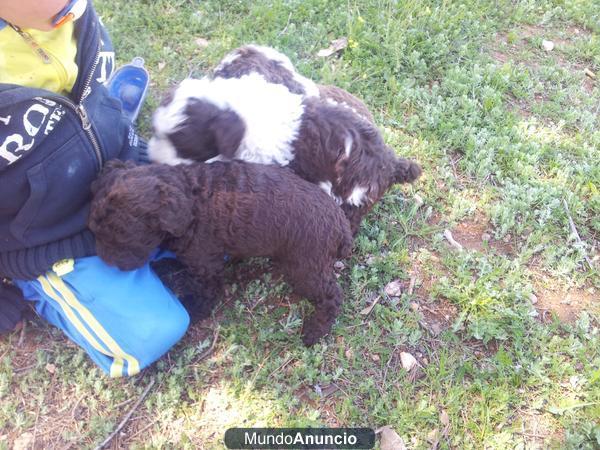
(133, 365)
(116, 369)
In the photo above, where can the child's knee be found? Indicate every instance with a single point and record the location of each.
(157, 331)
(172, 325)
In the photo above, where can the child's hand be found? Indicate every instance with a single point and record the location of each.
(12, 306)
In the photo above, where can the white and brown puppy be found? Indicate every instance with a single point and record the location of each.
(252, 119)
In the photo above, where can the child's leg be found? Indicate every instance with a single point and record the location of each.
(124, 320)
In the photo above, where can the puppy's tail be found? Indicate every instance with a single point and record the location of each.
(407, 171)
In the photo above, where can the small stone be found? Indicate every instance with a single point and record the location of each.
(433, 437)
(533, 298)
(51, 368)
(393, 288)
(589, 73)
(574, 380)
(408, 361)
(390, 440)
(339, 265)
(375, 357)
(444, 418)
(418, 200)
(548, 45)
(23, 442)
(202, 43)
(318, 390)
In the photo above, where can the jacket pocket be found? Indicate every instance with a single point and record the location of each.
(37, 191)
(59, 195)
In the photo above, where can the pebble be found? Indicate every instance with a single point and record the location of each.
(408, 361)
(548, 45)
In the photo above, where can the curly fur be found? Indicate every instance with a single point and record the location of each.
(323, 142)
(203, 211)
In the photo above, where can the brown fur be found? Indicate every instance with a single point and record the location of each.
(251, 60)
(203, 211)
(345, 98)
(320, 153)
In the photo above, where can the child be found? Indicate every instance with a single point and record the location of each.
(58, 126)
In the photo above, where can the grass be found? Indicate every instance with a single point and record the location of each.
(505, 331)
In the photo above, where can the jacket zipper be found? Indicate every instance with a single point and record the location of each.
(80, 110)
(87, 126)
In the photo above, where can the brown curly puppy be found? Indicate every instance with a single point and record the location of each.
(203, 211)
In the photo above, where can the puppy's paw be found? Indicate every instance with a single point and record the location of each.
(311, 337)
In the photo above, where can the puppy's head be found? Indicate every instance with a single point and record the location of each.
(193, 123)
(365, 166)
(392, 170)
(134, 210)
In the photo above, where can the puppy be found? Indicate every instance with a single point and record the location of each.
(251, 119)
(203, 211)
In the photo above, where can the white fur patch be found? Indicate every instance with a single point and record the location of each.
(358, 196)
(310, 88)
(327, 186)
(165, 120)
(216, 158)
(348, 145)
(161, 150)
(272, 114)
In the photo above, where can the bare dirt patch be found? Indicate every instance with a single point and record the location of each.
(476, 234)
(566, 303)
(437, 314)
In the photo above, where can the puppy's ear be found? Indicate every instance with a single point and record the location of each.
(406, 171)
(175, 209)
(228, 129)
